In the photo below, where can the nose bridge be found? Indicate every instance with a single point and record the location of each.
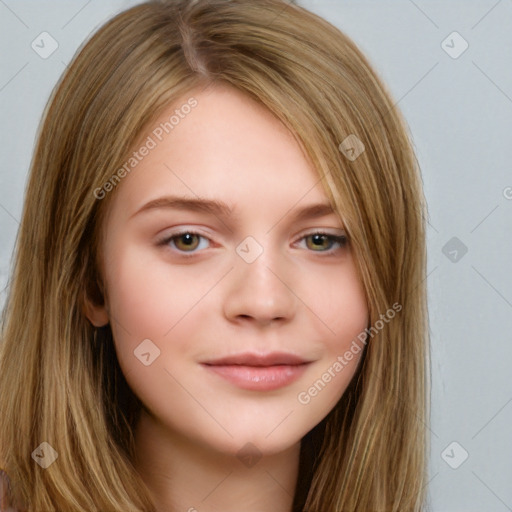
(257, 286)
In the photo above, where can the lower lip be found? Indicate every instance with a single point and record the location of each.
(259, 378)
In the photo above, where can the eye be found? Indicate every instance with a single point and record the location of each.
(324, 242)
(187, 241)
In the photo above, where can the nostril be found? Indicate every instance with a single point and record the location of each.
(263, 320)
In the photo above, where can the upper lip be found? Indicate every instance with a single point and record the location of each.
(252, 359)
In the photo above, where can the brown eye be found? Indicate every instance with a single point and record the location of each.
(186, 242)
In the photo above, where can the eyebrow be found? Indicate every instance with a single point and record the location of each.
(210, 206)
(221, 209)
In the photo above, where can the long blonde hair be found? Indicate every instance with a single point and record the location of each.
(60, 382)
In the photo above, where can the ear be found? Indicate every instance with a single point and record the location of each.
(96, 314)
(94, 304)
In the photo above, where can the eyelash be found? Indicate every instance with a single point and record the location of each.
(342, 240)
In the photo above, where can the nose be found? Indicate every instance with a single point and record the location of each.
(259, 293)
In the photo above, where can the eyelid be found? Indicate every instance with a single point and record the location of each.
(324, 231)
(181, 230)
(336, 232)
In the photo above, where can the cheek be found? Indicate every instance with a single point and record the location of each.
(143, 305)
(148, 305)
(146, 296)
(151, 300)
(341, 305)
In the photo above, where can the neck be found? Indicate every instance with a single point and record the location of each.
(189, 477)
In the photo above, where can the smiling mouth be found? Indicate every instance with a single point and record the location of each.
(259, 372)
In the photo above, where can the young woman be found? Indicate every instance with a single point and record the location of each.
(218, 296)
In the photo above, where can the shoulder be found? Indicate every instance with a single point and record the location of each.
(5, 493)
(5, 484)
(5, 487)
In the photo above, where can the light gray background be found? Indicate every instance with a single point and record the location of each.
(460, 114)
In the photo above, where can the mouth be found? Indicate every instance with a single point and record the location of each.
(259, 372)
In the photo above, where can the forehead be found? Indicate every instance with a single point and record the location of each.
(227, 147)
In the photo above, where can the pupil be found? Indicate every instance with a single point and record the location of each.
(188, 239)
(319, 239)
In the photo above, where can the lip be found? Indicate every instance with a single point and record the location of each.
(254, 359)
(259, 372)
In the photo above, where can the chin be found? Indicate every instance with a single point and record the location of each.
(255, 439)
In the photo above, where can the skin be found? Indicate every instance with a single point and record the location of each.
(301, 295)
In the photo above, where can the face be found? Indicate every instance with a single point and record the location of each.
(231, 287)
